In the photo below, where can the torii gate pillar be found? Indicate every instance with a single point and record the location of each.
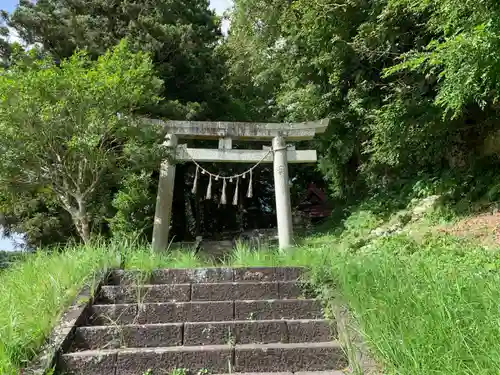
(163, 212)
(282, 193)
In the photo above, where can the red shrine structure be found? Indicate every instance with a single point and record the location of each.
(315, 204)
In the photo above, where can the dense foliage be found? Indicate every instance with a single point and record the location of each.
(410, 86)
(67, 129)
(180, 37)
(411, 89)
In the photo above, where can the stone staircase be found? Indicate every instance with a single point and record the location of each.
(208, 321)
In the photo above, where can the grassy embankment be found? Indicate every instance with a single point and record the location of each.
(424, 306)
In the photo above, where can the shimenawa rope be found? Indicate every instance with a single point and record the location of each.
(230, 178)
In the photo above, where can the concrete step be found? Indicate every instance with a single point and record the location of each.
(330, 372)
(290, 373)
(202, 333)
(204, 311)
(278, 309)
(168, 312)
(211, 358)
(199, 292)
(128, 336)
(245, 291)
(289, 357)
(205, 275)
(144, 293)
(136, 361)
(258, 332)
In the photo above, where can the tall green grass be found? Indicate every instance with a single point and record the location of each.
(423, 308)
(426, 307)
(304, 256)
(142, 258)
(35, 291)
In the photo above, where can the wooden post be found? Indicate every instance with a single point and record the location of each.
(164, 199)
(282, 192)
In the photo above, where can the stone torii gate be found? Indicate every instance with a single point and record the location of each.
(226, 132)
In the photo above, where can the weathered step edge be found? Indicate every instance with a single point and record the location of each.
(258, 332)
(205, 275)
(204, 333)
(328, 372)
(357, 352)
(224, 291)
(204, 311)
(62, 334)
(213, 358)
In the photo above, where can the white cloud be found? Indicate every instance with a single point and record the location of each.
(225, 26)
(220, 6)
(14, 36)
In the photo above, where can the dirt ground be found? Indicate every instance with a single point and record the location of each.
(484, 227)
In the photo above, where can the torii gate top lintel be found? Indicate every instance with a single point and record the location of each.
(247, 131)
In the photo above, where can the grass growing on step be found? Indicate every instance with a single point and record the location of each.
(35, 291)
(270, 257)
(144, 259)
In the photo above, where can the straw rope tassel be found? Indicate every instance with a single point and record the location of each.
(223, 199)
(250, 192)
(235, 197)
(195, 182)
(209, 188)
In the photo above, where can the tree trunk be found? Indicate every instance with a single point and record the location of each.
(82, 221)
(84, 229)
(194, 227)
(198, 231)
(179, 204)
(82, 225)
(78, 215)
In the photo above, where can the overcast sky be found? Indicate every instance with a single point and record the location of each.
(9, 5)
